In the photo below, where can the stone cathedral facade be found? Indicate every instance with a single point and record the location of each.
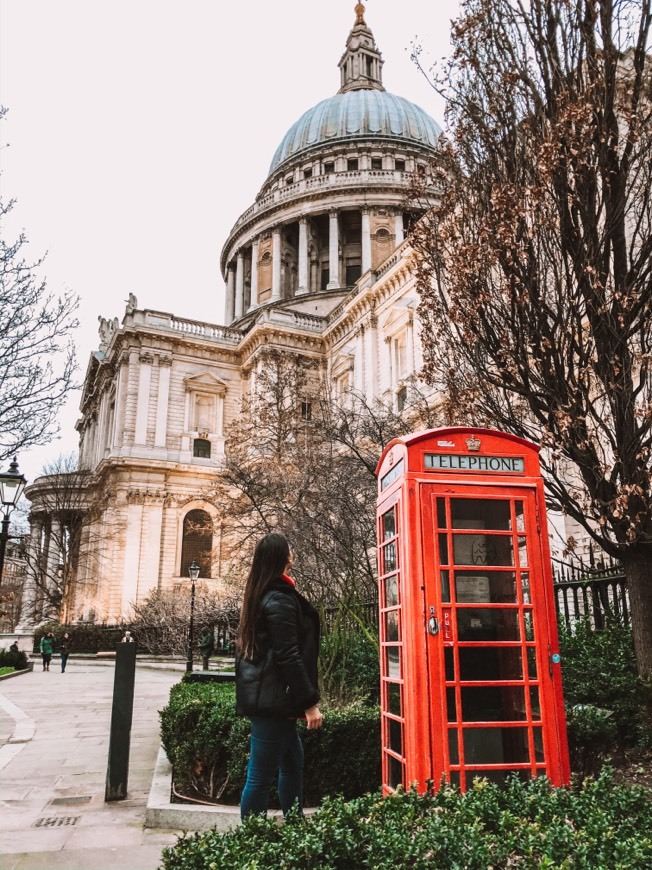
(320, 266)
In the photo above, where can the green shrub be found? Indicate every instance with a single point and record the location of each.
(349, 665)
(521, 825)
(599, 670)
(591, 738)
(85, 637)
(208, 746)
(15, 660)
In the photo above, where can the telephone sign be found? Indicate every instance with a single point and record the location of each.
(470, 672)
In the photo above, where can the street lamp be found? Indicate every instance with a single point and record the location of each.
(193, 573)
(12, 484)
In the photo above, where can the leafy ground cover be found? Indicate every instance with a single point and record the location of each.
(601, 826)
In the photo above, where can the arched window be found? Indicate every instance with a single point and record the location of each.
(197, 542)
(201, 448)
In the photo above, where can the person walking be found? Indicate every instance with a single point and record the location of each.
(64, 648)
(276, 676)
(47, 648)
(206, 646)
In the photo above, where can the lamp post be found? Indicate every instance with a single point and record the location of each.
(12, 484)
(193, 573)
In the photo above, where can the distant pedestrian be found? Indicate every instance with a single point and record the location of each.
(127, 638)
(65, 651)
(14, 647)
(47, 648)
(206, 646)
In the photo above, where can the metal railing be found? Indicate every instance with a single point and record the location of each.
(596, 592)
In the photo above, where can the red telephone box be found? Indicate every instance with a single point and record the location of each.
(470, 673)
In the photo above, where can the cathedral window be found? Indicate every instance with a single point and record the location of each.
(307, 172)
(197, 542)
(201, 448)
(376, 162)
(399, 165)
(289, 179)
(306, 411)
(401, 399)
(352, 164)
(329, 168)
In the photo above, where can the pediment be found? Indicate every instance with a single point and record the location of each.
(205, 382)
(397, 316)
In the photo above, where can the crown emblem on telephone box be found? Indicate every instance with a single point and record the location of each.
(473, 443)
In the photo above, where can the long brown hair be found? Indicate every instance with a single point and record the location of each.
(270, 558)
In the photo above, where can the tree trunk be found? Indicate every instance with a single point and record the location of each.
(638, 570)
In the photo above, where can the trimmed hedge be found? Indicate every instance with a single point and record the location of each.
(522, 825)
(208, 746)
(15, 660)
(85, 637)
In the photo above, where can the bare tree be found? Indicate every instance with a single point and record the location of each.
(37, 354)
(535, 265)
(303, 462)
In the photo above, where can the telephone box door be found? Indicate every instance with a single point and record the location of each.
(489, 659)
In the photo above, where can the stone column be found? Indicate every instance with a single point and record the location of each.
(276, 264)
(359, 367)
(371, 358)
(304, 286)
(409, 349)
(333, 252)
(230, 294)
(160, 435)
(399, 235)
(253, 302)
(389, 374)
(120, 402)
(133, 531)
(239, 285)
(366, 241)
(142, 408)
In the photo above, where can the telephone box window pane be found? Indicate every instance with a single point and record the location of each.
(529, 625)
(389, 558)
(532, 663)
(391, 591)
(449, 663)
(451, 704)
(490, 664)
(473, 513)
(483, 550)
(496, 746)
(522, 552)
(493, 704)
(395, 738)
(495, 587)
(393, 662)
(394, 699)
(445, 587)
(391, 626)
(389, 524)
(525, 585)
(443, 550)
(479, 623)
(455, 778)
(453, 751)
(441, 513)
(395, 770)
(535, 702)
(520, 517)
(538, 745)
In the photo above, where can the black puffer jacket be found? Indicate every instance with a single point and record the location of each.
(282, 679)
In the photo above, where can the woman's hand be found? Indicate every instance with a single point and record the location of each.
(314, 718)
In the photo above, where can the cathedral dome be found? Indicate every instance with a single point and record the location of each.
(362, 113)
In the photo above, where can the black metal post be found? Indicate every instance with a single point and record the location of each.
(4, 537)
(191, 628)
(117, 771)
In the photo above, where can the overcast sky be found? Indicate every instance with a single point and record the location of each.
(139, 130)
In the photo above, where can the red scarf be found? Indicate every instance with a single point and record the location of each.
(288, 579)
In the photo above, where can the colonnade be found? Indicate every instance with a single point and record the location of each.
(247, 259)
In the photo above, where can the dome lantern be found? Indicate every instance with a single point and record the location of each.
(361, 64)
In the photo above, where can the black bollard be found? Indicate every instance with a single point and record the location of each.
(117, 771)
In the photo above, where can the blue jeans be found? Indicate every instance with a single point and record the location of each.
(275, 747)
(64, 662)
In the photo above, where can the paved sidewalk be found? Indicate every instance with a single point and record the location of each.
(52, 783)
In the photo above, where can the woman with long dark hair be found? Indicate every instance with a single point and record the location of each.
(276, 676)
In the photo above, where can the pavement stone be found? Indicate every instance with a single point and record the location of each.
(65, 762)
